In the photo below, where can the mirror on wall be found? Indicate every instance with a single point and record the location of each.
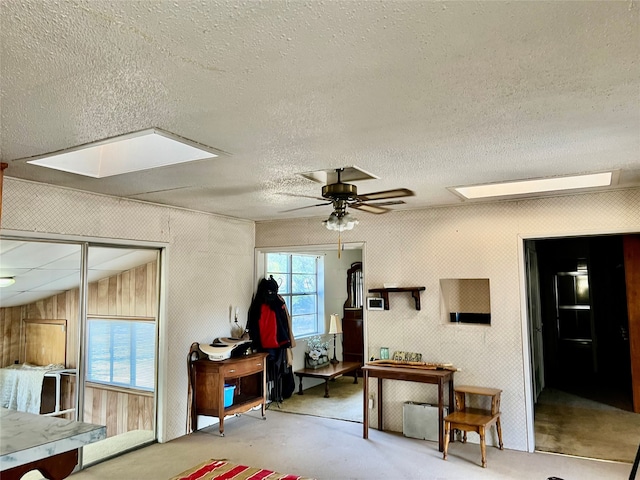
(465, 300)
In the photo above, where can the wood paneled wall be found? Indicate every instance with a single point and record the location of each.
(130, 293)
(10, 323)
(118, 410)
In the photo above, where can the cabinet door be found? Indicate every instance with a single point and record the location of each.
(208, 387)
(575, 326)
(353, 338)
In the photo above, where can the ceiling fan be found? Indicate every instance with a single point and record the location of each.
(342, 195)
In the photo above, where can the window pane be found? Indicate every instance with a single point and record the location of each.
(121, 352)
(303, 283)
(99, 351)
(297, 277)
(303, 264)
(287, 300)
(145, 355)
(303, 304)
(277, 263)
(304, 325)
(121, 332)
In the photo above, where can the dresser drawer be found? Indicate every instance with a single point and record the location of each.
(245, 366)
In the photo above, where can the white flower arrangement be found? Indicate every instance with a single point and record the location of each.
(316, 347)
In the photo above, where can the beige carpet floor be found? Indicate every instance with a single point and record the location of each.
(344, 402)
(571, 425)
(328, 449)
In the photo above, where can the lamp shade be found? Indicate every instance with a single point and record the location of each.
(335, 326)
(340, 223)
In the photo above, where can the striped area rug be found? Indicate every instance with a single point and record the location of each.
(223, 470)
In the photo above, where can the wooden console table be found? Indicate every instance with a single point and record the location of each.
(247, 373)
(435, 377)
(329, 372)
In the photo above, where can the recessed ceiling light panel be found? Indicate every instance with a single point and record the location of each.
(535, 186)
(132, 152)
(348, 174)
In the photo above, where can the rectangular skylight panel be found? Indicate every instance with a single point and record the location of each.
(540, 185)
(127, 153)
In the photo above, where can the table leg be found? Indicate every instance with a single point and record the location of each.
(326, 388)
(451, 406)
(365, 408)
(300, 386)
(440, 417)
(380, 427)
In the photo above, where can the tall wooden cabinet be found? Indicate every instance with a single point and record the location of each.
(352, 321)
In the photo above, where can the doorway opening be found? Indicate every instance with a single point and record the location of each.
(579, 335)
(345, 401)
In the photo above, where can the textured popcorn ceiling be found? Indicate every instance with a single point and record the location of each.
(424, 95)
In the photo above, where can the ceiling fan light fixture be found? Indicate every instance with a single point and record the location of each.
(7, 281)
(340, 223)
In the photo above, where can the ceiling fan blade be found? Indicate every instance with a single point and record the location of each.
(302, 208)
(398, 192)
(300, 196)
(369, 208)
(390, 202)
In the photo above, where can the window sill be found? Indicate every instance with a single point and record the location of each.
(114, 388)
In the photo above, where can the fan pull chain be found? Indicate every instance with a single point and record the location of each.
(339, 245)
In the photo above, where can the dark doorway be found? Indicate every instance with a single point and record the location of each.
(583, 328)
(584, 318)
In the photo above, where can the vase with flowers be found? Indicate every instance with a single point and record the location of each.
(317, 354)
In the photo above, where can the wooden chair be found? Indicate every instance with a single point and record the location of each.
(473, 419)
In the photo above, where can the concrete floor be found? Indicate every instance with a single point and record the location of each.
(574, 425)
(325, 448)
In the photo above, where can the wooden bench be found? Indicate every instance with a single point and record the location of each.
(474, 419)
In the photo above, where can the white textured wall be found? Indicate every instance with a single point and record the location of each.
(418, 248)
(209, 265)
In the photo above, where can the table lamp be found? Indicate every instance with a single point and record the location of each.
(334, 329)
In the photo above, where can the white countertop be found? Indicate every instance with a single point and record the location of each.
(25, 437)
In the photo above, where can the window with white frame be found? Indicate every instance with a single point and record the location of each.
(301, 283)
(121, 352)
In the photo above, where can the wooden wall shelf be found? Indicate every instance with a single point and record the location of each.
(384, 293)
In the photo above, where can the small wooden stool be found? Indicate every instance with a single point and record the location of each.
(474, 419)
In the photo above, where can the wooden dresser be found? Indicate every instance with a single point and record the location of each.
(247, 373)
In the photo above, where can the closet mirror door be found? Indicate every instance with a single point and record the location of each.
(39, 320)
(120, 345)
